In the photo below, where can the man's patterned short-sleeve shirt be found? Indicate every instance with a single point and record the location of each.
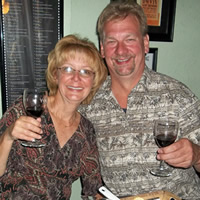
(125, 140)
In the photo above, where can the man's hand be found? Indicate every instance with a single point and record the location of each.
(182, 153)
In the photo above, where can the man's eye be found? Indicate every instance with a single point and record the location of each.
(130, 40)
(111, 42)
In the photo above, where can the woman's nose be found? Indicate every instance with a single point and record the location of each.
(76, 76)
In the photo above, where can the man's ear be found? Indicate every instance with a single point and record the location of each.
(146, 43)
(102, 50)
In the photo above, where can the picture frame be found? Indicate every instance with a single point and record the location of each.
(151, 58)
(165, 31)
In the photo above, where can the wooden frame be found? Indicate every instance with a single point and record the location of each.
(151, 58)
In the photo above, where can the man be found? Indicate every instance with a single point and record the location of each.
(125, 107)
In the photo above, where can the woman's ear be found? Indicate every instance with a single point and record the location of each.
(55, 76)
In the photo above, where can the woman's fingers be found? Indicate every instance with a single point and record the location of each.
(26, 128)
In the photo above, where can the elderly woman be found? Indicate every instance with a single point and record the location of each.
(75, 72)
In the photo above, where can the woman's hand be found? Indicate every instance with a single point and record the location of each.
(98, 197)
(25, 128)
(182, 153)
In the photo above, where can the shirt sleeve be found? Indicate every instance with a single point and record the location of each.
(11, 115)
(189, 117)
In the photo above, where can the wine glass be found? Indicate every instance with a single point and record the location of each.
(165, 133)
(34, 101)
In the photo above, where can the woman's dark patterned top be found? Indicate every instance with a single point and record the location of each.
(48, 172)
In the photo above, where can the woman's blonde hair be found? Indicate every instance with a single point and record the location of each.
(66, 49)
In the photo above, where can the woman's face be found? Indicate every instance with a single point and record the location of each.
(75, 79)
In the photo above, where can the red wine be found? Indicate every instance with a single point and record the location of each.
(164, 140)
(34, 111)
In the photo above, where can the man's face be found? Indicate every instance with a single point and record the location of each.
(124, 47)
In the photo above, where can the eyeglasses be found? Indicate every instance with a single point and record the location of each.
(85, 73)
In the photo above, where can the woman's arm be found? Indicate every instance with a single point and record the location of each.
(14, 125)
(24, 128)
(5, 147)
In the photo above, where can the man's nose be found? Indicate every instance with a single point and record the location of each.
(121, 48)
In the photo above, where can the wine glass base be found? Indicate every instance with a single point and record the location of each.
(36, 144)
(161, 172)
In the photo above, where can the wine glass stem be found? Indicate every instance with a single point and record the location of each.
(162, 165)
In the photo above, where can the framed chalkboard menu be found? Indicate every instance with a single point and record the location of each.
(29, 31)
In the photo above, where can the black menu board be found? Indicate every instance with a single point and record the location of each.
(29, 31)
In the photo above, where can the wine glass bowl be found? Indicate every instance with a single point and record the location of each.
(34, 101)
(165, 133)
